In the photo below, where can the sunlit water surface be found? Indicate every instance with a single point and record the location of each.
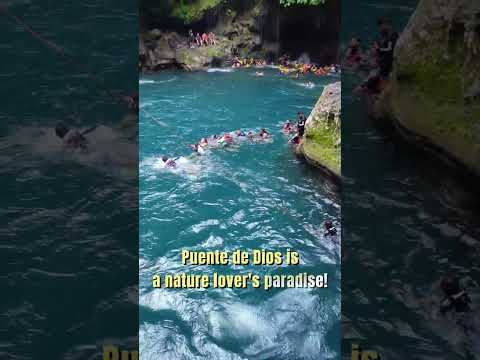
(251, 196)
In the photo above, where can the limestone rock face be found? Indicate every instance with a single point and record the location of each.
(435, 88)
(321, 144)
(327, 111)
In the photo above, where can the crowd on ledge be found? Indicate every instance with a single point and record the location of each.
(198, 40)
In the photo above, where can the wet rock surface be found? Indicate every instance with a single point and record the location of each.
(321, 143)
(434, 91)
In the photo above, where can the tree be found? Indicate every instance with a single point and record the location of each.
(301, 2)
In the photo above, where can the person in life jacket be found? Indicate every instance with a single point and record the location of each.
(203, 142)
(287, 127)
(132, 101)
(72, 139)
(330, 230)
(354, 53)
(264, 134)
(456, 298)
(197, 149)
(228, 138)
(169, 162)
(296, 140)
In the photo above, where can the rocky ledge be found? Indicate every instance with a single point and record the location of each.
(433, 96)
(321, 143)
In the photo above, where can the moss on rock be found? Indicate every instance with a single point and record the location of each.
(192, 11)
(435, 84)
(322, 138)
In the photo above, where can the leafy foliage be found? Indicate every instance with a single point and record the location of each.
(191, 11)
(302, 2)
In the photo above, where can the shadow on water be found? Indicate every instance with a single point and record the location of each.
(408, 220)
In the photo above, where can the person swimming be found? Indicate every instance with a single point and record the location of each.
(240, 133)
(198, 149)
(228, 138)
(203, 142)
(296, 140)
(354, 54)
(456, 298)
(169, 162)
(288, 126)
(330, 230)
(72, 139)
(264, 134)
(251, 135)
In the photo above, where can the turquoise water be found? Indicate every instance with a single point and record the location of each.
(255, 196)
(407, 223)
(69, 223)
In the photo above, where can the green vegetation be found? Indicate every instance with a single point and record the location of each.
(214, 52)
(439, 86)
(302, 2)
(320, 145)
(191, 11)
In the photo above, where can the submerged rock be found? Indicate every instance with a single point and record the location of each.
(321, 145)
(434, 92)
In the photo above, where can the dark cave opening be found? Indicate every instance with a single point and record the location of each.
(313, 30)
(298, 37)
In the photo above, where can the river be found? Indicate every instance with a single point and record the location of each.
(406, 223)
(252, 196)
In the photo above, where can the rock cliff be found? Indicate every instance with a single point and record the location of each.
(434, 92)
(321, 143)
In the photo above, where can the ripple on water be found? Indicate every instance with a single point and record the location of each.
(250, 196)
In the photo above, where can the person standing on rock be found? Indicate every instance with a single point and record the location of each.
(191, 38)
(386, 46)
(213, 40)
(301, 123)
(198, 39)
(205, 39)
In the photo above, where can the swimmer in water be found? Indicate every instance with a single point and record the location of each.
(456, 298)
(195, 148)
(330, 230)
(203, 142)
(169, 162)
(72, 139)
(259, 73)
(199, 149)
(296, 140)
(264, 134)
(228, 138)
(251, 135)
(288, 127)
(240, 133)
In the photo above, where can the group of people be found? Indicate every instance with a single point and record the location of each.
(198, 40)
(378, 58)
(237, 62)
(298, 130)
(294, 67)
(305, 69)
(215, 141)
